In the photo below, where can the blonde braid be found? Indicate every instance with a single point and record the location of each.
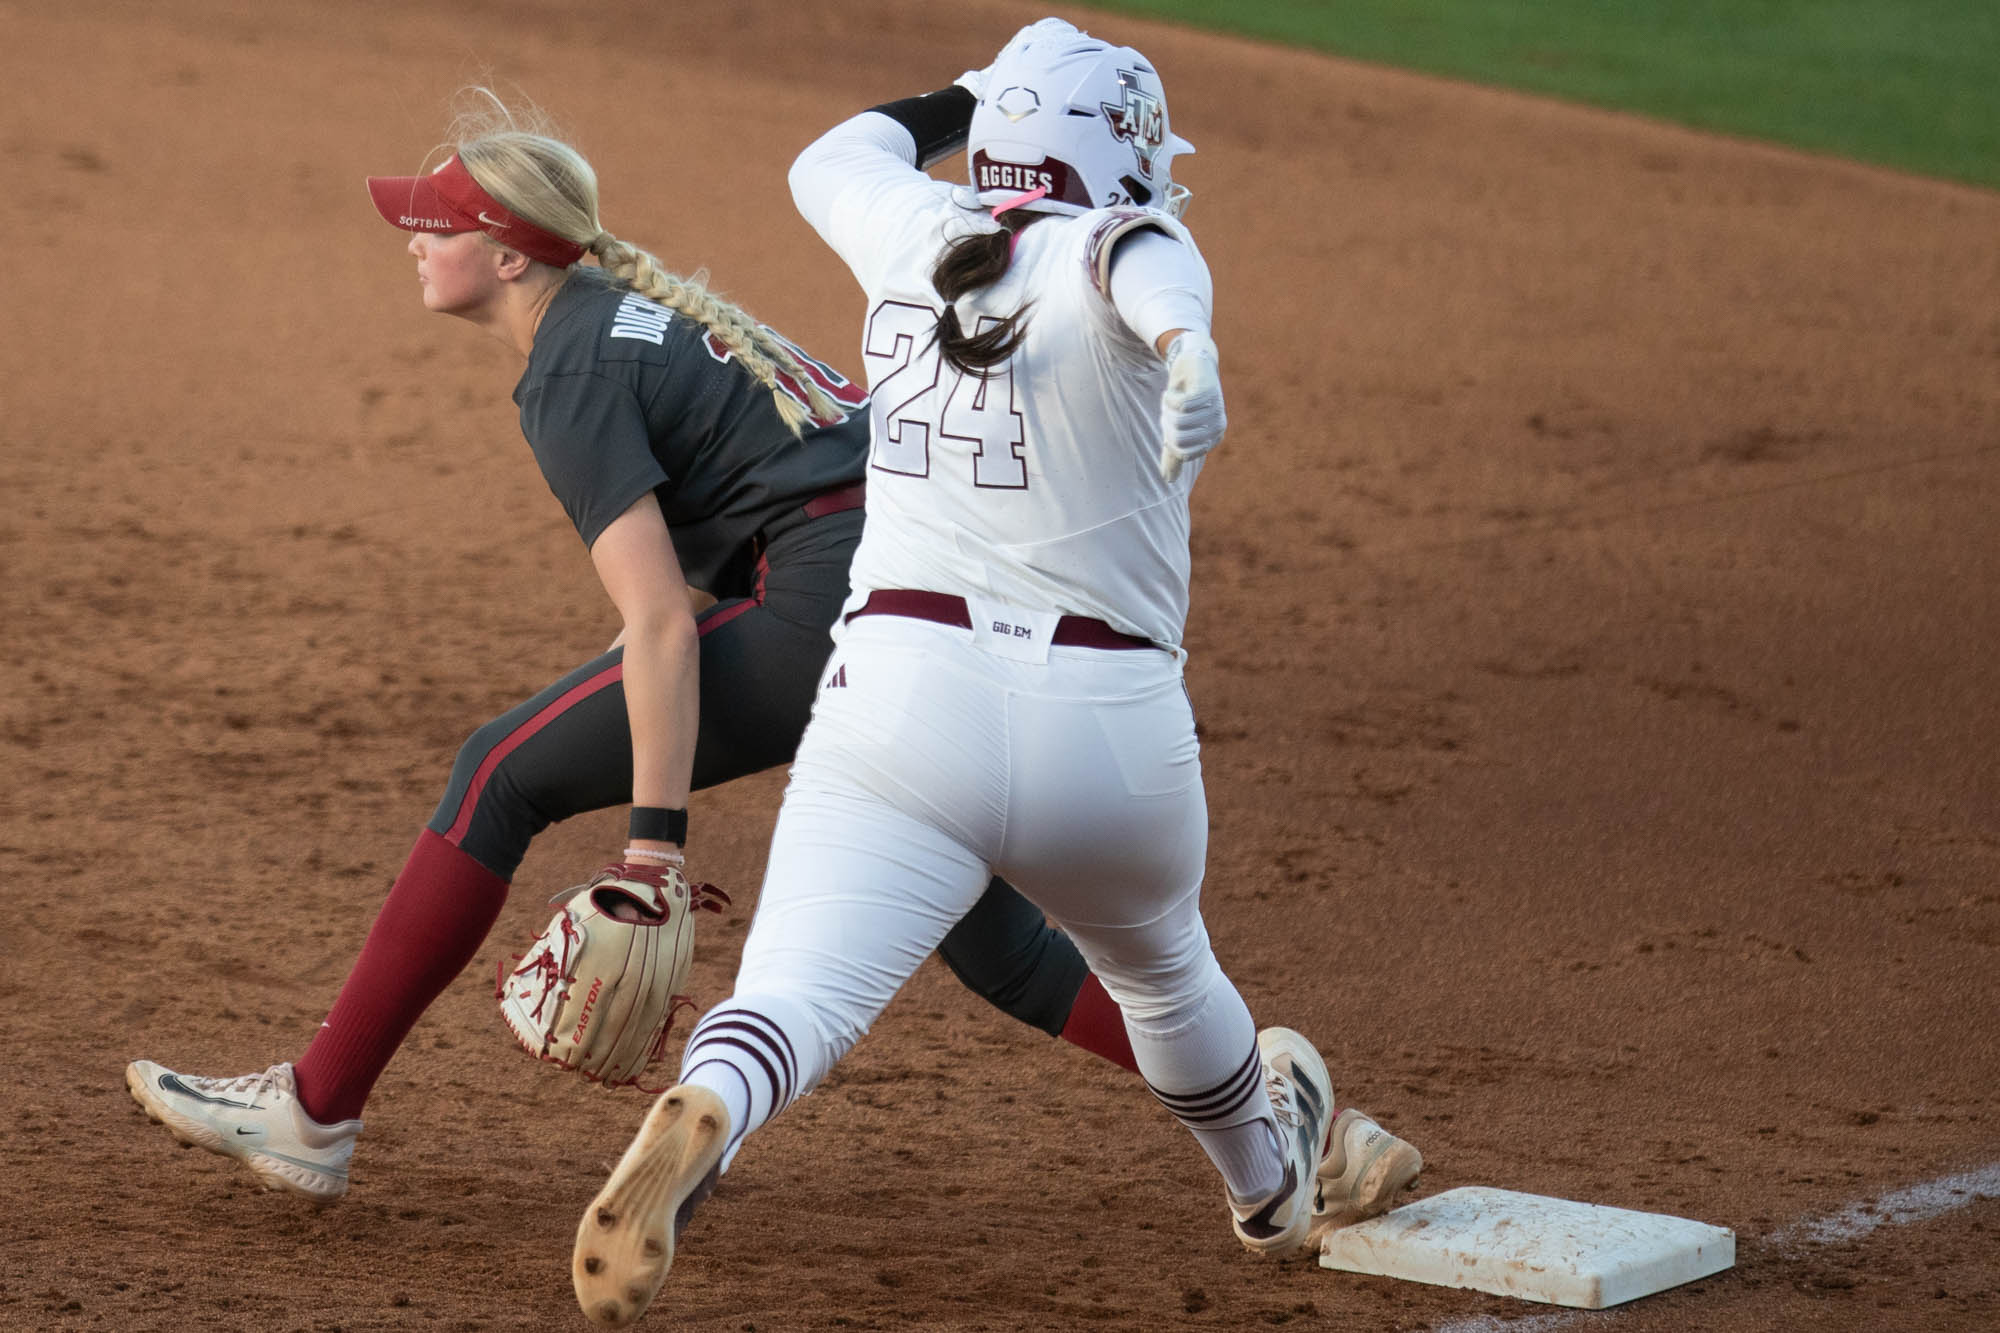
(760, 353)
(539, 177)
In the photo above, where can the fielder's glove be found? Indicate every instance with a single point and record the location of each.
(598, 990)
(1191, 417)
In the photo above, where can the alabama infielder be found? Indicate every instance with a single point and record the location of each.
(640, 389)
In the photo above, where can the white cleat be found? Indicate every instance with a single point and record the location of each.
(625, 1242)
(1365, 1168)
(255, 1118)
(1301, 1095)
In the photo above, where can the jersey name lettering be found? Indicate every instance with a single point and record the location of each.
(831, 382)
(641, 319)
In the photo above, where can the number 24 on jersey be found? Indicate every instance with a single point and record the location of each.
(919, 412)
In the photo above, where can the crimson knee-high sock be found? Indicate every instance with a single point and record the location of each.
(437, 915)
(1096, 1024)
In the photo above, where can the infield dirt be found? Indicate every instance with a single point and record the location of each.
(1593, 638)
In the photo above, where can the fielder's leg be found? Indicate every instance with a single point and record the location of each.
(1007, 953)
(566, 750)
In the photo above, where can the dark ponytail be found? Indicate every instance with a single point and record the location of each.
(968, 264)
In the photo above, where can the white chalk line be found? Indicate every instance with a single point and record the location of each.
(1897, 1208)
(1534, 1323)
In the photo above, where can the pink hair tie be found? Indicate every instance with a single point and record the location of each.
(1017, 201)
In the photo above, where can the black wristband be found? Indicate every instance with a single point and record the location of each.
(938, 121)
(654, 823)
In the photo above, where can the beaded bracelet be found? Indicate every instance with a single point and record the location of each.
(656, 856)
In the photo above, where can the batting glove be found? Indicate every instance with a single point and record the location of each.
(1192, 419)
(1040, 31)
(1046, 31)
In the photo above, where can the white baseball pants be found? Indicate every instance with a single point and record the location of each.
(932, 764)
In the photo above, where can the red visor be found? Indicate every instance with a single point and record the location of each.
(449, 200)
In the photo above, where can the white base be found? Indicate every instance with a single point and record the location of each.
(1533, 1247)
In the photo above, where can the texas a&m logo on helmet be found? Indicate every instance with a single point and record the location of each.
(1140, 119)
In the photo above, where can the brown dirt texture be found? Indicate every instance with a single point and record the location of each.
(1593, 638)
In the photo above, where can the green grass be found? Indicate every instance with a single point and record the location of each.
(1913, 84)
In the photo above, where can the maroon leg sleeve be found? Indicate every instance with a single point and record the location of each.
(437, 915)
(1096, 1025)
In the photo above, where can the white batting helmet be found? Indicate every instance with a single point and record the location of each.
(1078, 117)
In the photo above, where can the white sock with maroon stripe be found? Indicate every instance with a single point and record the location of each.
(1248, 1156)
(727, 1082)
(1200, 1059)
(746, 1051)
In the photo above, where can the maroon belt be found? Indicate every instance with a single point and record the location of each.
(837, 502)
(854, 495)
(945, 609)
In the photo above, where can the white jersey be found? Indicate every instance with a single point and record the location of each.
(1037, 488)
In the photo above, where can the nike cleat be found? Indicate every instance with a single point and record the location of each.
(255, 1118)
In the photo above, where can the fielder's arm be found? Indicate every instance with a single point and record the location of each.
(635, 560)
(698, 602)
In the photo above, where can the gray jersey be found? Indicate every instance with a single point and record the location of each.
(622, 396)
